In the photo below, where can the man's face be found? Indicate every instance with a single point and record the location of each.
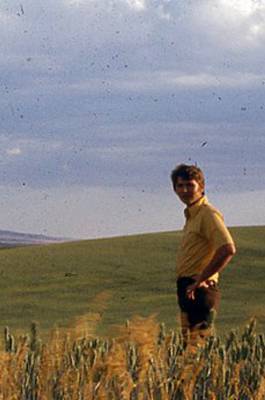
(189, 191)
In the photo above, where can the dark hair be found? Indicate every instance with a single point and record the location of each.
(187, 172)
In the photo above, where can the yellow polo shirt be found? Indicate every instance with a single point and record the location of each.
(204, 232)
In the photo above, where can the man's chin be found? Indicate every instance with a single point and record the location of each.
(187, 201)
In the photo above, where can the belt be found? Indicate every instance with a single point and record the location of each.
(210, 282)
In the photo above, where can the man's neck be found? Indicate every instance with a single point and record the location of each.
(195, 202)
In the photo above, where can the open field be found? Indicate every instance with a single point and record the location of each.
(121, 277)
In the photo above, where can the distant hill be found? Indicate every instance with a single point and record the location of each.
(13, 239)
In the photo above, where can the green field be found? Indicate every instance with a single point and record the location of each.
(119, 278)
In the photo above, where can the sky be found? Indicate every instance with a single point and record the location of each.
(101, 99)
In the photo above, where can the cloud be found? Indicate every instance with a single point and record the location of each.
(165, 80)
(66, 39)
(133, 83)
(15, 151)
(233, 24)
(31, 152)
(137, 5)
(241, 8)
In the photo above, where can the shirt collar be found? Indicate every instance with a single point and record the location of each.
(191, 211)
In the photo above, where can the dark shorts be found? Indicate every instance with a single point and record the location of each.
(206, 302)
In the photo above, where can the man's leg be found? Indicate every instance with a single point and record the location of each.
(198, 315)
(196, 334)
(202, 330)
(183, 302)
(208, 300)
(193, 335)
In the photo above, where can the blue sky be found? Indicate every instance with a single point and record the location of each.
(102, 98)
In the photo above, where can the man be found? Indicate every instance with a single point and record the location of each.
(206, 248)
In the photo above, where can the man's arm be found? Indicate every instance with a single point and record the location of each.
(220, 259)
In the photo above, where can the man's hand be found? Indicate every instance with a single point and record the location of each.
(190, 291)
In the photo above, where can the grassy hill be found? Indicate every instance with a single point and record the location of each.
(121, 277)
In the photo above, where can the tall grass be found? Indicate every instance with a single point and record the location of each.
(144, 361)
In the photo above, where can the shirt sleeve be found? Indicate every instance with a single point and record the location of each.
(214, 229)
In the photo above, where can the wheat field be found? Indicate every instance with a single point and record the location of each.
(142, 361)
